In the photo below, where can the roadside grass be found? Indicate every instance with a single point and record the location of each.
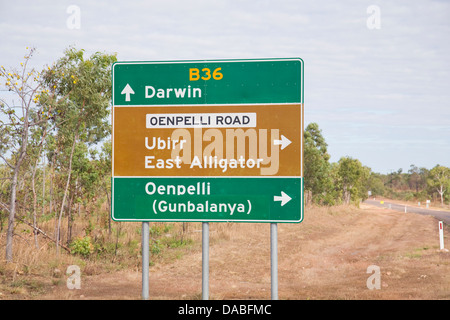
(98, 251)
(94, 249)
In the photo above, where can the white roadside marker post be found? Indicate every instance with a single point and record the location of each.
(441, 235)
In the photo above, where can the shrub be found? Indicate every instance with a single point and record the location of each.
(156, 247)
(82, 246)
(408, 196)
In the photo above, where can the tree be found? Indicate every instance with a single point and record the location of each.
(375, 184)
(352, 179)
(395, 179)
(316, 166)
(82, 93)
(21, 116)
(414, 178)
(439, 179)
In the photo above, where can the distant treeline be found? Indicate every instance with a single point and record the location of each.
(349, 180)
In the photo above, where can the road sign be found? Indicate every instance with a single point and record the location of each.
(208, 140)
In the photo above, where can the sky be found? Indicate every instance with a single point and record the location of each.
(377, 73)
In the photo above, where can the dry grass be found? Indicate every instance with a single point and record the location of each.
(37, 270)
(324, 257)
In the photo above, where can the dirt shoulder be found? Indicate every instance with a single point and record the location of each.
(324, 257)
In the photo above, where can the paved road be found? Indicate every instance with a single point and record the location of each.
(440, 215)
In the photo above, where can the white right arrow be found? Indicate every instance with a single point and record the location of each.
(284, 198)
(127, 91)
(284, 142)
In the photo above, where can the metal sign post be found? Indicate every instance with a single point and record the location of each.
(145, 259)
(205, 261)
(274, 260)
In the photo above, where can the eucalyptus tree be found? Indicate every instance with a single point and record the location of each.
(439, 180)
(352, 179)
(20, 112)
(316, 163)
(80, 100)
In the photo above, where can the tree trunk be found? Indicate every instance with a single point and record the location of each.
(12, 206)
(12, 214)
(441, 193)
(70, 216)
(347, 195)
(43, 184)
(308, 197)
(65, 192)
(33, 187)
(108, 199)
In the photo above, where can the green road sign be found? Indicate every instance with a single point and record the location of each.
(207, 82)
(208, 140)
(208, 199)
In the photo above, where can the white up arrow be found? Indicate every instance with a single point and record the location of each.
(127, 91)
(284, 198)
(284, 142)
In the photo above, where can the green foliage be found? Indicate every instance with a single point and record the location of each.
(177, 243)
(161, 239)
(156, 247)
(375, 184)
(159, 229)
(439, 180)
(316, 166)
(346, 181)
(89, 228)
(408, 196)
(82, 246)
(80, 93)
(352, 179)
(418, 184)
